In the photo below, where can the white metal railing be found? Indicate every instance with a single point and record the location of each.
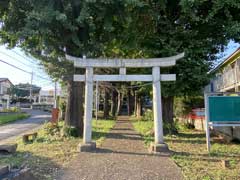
(229, 78)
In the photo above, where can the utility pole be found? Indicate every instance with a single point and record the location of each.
(96, 103)
(31, 87)
(55, 95)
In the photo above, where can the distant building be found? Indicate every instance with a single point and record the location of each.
(227, 75)
(48, 96)
(5, 85)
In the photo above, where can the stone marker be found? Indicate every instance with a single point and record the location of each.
(24, 174)
(225, 164)
(18, 174)
(4, 170)
(26, 137)
(10, 148)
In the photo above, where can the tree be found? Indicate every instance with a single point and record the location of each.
(163, 28)
(200, 29)
(49, 29)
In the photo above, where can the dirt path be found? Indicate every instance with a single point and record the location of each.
(121, 156)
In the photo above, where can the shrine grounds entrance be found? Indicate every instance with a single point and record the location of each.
(156, 77)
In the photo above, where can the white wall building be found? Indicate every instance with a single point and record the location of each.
(48, 96)
(5, 85)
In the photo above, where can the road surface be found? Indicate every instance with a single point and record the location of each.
(14, 129)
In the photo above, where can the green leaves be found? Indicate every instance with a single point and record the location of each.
(124, 28)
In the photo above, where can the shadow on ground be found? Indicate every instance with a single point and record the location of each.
(41, 167)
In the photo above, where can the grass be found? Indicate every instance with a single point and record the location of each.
(190, 153)
(100, 129)
(12, 117)
(48, 154)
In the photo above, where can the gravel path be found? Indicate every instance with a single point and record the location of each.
(14, 129)
(122, 156)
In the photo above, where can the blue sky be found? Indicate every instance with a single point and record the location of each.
(232, 46)
(18, 58)
(40, 77)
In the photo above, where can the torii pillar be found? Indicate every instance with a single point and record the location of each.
(158, 145)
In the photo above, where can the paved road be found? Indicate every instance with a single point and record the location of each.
(19, 127)
(122, 156)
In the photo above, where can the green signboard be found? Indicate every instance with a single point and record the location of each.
(224, 108)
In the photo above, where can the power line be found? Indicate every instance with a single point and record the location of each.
(23, 56)
(15, 59)
(15, 67)
(23, 70)
(42, 77)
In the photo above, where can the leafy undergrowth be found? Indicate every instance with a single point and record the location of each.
(49, 153)
(12, 117)
(189, 147)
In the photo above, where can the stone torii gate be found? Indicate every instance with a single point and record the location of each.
(122, 64)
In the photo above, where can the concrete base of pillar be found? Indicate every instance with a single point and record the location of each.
(158, 148)
(87, 147)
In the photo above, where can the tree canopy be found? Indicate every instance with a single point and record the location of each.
(52, 28)
(48, 29)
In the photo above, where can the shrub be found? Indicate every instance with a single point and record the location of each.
(68, 131)
(11, 109)
(148, 115)
(57, 131)
(168, 128)
(51, 129)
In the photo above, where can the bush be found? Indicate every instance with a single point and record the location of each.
(12, 109)
(51, 129)
(56, 131)
(184, 126)
(167, 127)
(147, 116)
(68, 131)
(170, 128)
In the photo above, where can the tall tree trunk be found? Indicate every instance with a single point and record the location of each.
(74, 107)
(114, 102)
(119, 104)
(130, 100)
(135, 103)
(139, 106)
(167, 108)
(106, 108)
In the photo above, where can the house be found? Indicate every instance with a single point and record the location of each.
(48, 96)
(5, 85)
(227, 79)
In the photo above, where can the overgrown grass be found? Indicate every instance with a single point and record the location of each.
(6, 118)
(47, 154)
(189, 147)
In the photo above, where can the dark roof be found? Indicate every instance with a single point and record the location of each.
(5, 79)
(226, 60)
